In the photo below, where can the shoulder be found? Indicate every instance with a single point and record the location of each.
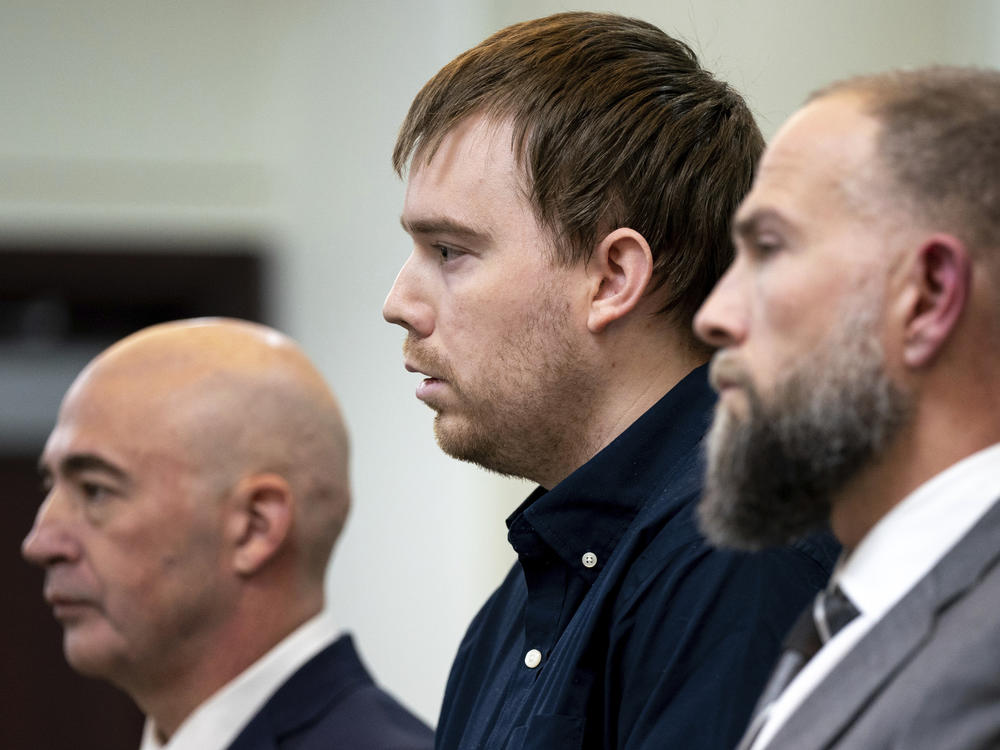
(943, 690)
(333, 701)
(677, 583)
(367, 718)
(674, 557)
(694, 630)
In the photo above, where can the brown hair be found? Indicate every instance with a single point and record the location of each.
(940, 143)
(617, 125)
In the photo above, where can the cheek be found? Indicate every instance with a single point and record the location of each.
(782, 297)
(475, 324)
(132, 580)
(144, 569)
(789, 317)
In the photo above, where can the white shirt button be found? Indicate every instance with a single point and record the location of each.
(533, 658)
(589, 559)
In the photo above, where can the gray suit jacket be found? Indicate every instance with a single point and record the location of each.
(928, 674)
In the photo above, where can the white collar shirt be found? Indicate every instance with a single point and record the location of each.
(218, 721)
(898, 551)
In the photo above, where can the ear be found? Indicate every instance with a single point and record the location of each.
(263, 508)
(939, 288)
(620, 270)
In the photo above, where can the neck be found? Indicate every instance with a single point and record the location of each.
(211, 663)
(938, 437)
(636, 371)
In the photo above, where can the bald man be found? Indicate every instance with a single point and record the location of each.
(196, 483)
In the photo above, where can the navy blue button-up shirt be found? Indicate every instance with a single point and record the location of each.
(663, 642)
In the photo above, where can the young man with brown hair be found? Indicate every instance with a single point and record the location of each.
(570, 186)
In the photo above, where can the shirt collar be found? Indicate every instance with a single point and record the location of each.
(913, 537)
(217, 721)
(590, 510)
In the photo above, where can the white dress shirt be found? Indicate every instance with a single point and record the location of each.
(898, 551)
(218, 721)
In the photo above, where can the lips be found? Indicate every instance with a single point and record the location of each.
(68, 610)
(438, 387)
(726, 373)
(420, 370)
(66, 603)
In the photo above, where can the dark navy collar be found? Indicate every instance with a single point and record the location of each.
(590, 510)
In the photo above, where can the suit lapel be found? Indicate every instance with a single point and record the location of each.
(867, 668)
(325, 679)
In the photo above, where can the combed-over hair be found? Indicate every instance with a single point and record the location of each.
(617, 125)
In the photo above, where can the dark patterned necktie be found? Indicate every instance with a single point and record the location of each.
(830, 611)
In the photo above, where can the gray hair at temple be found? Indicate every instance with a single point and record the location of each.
(940, 146)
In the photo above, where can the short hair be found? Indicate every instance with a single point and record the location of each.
(617, 125)
(939, 142)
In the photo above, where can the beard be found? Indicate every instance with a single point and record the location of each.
(772, 474)
(526, 410)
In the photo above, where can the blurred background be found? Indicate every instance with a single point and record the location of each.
(169, 159)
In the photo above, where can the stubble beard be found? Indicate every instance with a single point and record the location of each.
(772, 474)
(530, 413)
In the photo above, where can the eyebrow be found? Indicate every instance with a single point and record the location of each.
(77, 463)
(442, 225)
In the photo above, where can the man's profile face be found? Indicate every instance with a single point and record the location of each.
(492, 322)
(805, 397)
(129, 541)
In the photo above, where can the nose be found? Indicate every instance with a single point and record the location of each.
(722, 321)
(407, 303)
(50, 539)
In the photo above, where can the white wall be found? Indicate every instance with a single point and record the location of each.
(777, 51)
(268, 120)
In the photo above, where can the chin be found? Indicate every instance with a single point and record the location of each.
(733, 404)
(88, 653)
(456, 438)
(477, 444)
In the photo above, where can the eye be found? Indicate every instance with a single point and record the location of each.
(93, 492)
(763, 245)
(446, 252)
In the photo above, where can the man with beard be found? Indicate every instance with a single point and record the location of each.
(196, 482)
(569, 196)
(859, 335)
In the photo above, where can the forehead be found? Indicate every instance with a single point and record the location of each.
(822, 161)
(473, 177)
(116, 418)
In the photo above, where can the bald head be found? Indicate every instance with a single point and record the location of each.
(234, 399)
(196, 483)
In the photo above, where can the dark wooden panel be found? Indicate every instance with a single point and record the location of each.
(106, 294)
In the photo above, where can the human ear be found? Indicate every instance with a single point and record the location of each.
(261, 520)
(939, 288)
(620, 269)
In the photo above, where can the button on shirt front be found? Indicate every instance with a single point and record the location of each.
(646, 636)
